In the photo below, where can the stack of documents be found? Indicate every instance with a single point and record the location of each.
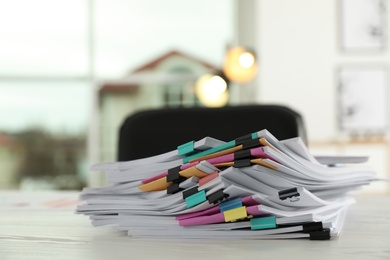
(253, 187)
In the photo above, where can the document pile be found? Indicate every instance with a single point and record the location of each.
(254, 187)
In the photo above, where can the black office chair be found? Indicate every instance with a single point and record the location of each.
(152, 132)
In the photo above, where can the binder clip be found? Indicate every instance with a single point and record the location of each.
(320, 235)
(314, 226)
(196, 199)
(245, 138)
(289, 193)
(174, 176)
(217, 196)
(174, 188)
(242, 163)
(190, 192)
(235, 214)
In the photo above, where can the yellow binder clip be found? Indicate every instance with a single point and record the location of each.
(235, 214)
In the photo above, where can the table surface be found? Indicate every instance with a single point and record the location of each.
(44, 226)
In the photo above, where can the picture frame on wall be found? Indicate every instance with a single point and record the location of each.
(363, 25)
(363, 100)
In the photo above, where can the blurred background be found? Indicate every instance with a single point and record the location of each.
(71, 71)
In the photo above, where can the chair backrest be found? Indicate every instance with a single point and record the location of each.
(152, 132)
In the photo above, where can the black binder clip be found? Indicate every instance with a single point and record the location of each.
(320, 235)
(242, 139)
(174, 188)
(289, 193)
(174, 176)
(217, 196)
(242, 163)
(250, 144)
(190, 192)
(242, 154)
(314, 226)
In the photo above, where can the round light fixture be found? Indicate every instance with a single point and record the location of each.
(212, 90)
(246, 60)
(240, 65)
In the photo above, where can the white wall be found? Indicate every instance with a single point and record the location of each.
(299, 54)
(297, 42)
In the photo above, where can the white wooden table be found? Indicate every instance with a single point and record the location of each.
(40, 230)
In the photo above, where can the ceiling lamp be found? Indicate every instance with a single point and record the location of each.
(240, 65)
(212, 91)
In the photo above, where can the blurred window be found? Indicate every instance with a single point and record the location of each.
(51, 53)
(44, 94)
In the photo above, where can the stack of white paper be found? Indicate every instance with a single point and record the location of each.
(254, 187)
